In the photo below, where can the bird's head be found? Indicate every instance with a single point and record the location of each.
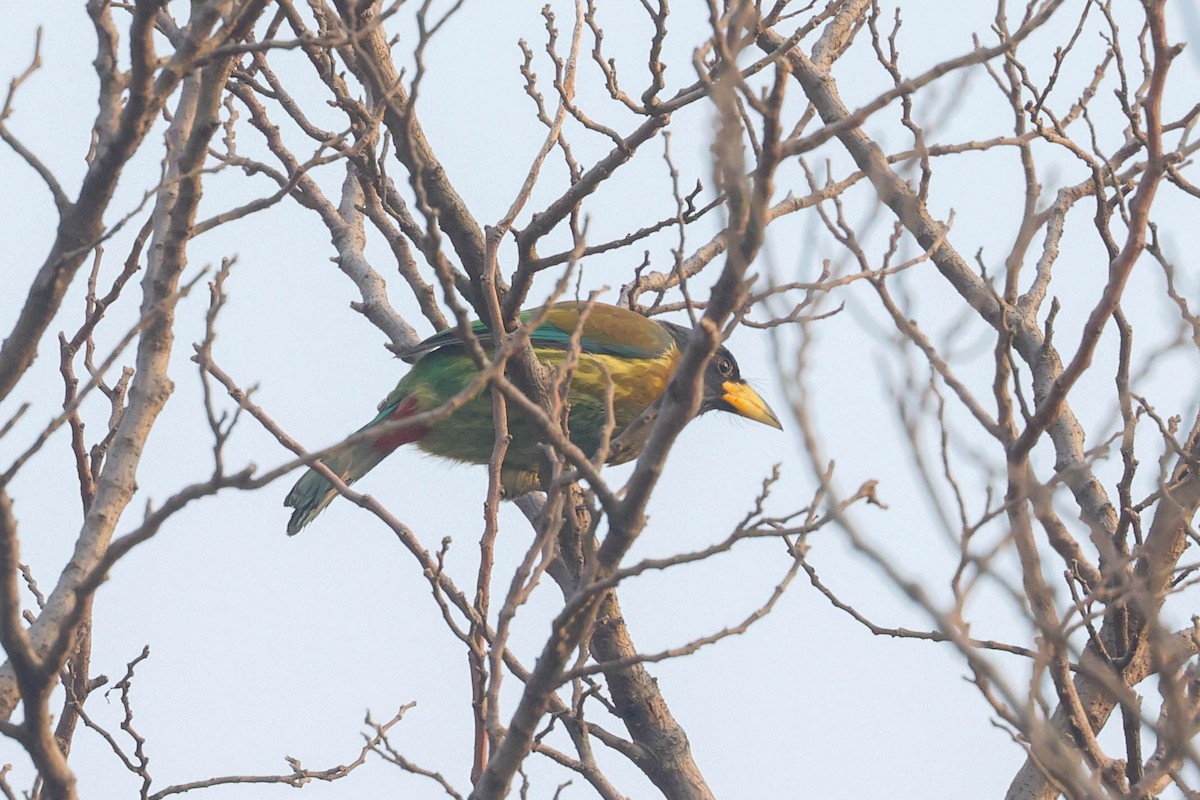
(724, 389)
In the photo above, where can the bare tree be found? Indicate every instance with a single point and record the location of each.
(998, 376)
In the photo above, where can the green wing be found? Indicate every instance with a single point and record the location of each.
(608, 330)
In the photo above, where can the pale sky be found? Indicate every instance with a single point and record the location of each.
(264, 646)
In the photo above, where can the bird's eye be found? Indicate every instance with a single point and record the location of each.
(724, 367)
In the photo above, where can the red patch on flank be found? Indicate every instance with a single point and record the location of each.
(391, 441)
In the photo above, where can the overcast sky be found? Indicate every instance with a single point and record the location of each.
(264, 646)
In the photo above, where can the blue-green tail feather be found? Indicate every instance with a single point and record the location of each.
(312, 493)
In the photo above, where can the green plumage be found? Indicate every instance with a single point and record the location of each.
(639, 354)
(469, 434)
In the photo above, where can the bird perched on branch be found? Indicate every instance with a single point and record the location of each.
(638, 354)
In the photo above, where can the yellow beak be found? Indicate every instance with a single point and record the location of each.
(747, 403)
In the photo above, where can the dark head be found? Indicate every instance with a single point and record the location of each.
(724, 389)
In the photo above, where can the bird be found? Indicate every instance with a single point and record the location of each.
(640, 354)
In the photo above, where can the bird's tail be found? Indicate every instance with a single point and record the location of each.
(312, 493)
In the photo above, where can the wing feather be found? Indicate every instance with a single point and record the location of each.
(608, 330)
